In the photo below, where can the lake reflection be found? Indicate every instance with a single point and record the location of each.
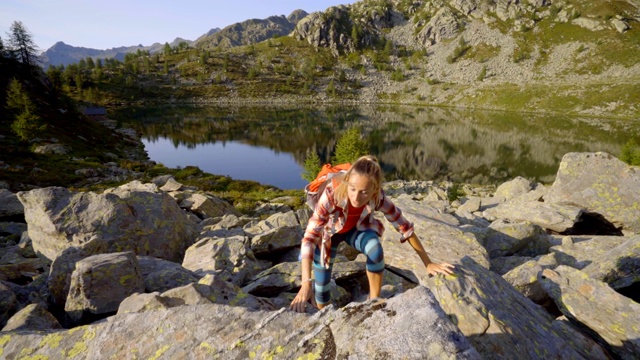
(234, 159)
(413, 143)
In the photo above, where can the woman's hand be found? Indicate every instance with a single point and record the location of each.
(440, 268)
(299, 303)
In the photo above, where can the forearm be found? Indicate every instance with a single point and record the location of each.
(417, 246)
(305, 269)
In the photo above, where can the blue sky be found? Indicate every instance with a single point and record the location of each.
(104, 24)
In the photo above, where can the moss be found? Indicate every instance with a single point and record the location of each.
(51, 340)
(160, 352)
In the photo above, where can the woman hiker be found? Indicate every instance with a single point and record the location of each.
(346, 214)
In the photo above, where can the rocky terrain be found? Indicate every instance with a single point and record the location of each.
(162, 270)
(515, 55)
(576, 57)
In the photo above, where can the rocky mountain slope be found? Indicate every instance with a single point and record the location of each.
(64, 54)
(516, 55)
(251, 31)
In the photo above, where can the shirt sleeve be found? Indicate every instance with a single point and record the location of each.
(315, 227)
(394, 215)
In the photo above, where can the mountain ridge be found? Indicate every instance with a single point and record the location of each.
(240, 33)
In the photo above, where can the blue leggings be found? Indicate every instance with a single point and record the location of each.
(367, 242)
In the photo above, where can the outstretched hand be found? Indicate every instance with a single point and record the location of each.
(440, 268)
(300, 302)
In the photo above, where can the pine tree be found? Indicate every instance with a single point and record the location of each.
(22, 45)
(350, 147)
(27, 123)
(312, 166)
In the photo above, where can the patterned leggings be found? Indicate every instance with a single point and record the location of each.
(367, 242)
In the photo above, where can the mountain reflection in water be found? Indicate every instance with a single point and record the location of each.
(268, 144)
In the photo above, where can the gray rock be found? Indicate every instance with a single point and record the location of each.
(56, 149)
(132, 217)
(503, 264)
(555, 217)
(443, 25)
(580, 251)
(9, 204)
(499, 321)
(586, 346)
(596, 305)
(440, 235)
(589, 24)
(619, 25)
(100, 282)
(204, 205)
(162, 275)
(472, 204)
(212, 255)
(415, 328)
(142, 302)
(287, 219)
(33, 317)
(618, 267)
(513, 188)
(8, 304)
(208, 290)
(521, 238)
(59, 279)
(524, 278)
(171, 185)
(276, 240)
(599, 183)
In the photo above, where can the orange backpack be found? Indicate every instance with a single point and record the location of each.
(315, 188)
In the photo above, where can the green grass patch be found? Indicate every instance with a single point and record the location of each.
(482, 52)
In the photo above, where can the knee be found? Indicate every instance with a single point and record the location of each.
(373, 251)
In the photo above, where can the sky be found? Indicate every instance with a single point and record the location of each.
(104, 24)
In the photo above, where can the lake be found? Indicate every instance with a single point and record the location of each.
(269, 144)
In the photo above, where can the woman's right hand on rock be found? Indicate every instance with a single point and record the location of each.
(301, 301)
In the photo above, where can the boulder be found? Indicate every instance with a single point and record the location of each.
(415, 327)
(619, 267)
(596, 305)
(100, 282)
(204, 205)
(34, 317)
(211, 289)
(524, 278)
(585, 345)
(599, 183)
(522, 238)
(499, 321)
(212, 255)
(135, 217)
(440, 235)
(442, 25)
(619, 25)
(287, 219)
(276, 241)
(8, 303)
(555, 217)
(9, 204)
(161, 275)
(59, 279)
(513, 188)
(580, 251)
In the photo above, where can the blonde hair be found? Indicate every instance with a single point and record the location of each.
(367, 166)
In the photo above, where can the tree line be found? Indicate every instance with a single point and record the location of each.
(17, 57)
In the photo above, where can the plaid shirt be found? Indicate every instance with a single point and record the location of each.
(329, 217)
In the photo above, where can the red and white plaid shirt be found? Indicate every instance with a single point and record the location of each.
(329, 217)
